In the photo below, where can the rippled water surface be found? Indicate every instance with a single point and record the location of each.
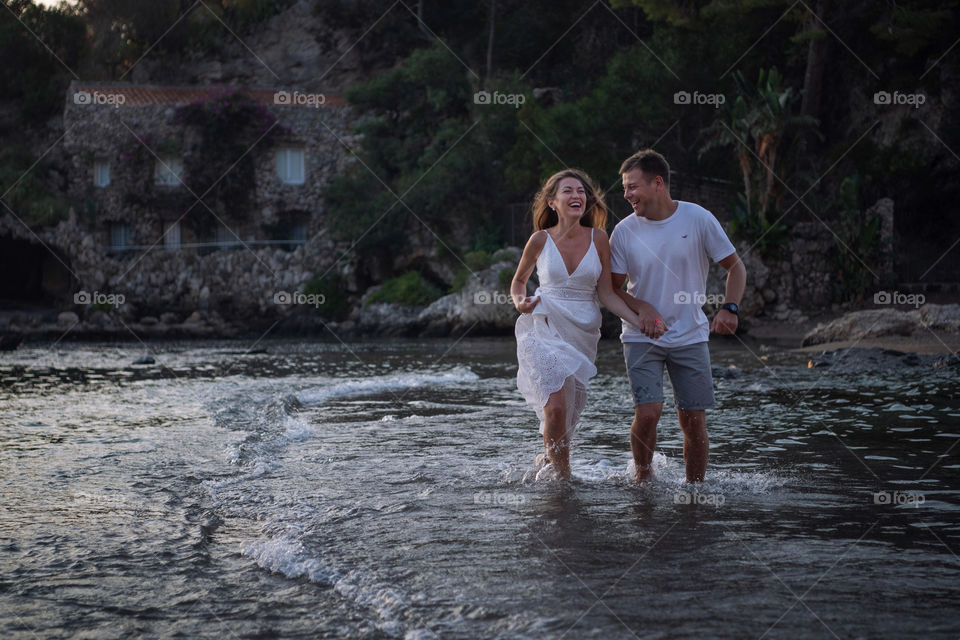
(380, 490)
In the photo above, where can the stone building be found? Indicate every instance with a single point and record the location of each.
(191, 198)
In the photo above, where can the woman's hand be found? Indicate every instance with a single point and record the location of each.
(527, 304)
(650, 322)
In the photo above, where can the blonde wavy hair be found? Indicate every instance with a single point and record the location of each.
(595, 210)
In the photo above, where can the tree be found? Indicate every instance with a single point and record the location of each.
(755, 126)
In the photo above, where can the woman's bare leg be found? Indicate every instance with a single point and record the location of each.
(555, 433)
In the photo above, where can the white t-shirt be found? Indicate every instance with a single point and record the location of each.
(666, 265)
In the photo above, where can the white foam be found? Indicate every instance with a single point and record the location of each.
(668, 473)
(287, 556)
(260, 468)
(380, 384)
(297, 429)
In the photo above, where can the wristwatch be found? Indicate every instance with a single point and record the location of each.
(732, 307)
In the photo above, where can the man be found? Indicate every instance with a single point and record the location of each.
(664, 249)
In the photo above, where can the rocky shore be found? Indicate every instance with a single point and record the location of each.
(482, 306)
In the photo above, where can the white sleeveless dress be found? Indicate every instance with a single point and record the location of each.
(557, 342)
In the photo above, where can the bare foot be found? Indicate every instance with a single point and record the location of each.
(563, 471)
(643, 472)
(550, 471)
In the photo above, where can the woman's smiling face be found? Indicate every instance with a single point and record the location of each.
(571, 198)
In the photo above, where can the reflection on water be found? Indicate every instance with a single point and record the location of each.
(378, 490)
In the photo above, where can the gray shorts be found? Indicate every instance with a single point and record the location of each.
(688, 366)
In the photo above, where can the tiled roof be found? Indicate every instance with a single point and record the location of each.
(135, 95)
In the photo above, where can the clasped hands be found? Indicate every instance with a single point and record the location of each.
(650, 323)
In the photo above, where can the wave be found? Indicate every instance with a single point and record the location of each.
(288, 556)
(381, 384)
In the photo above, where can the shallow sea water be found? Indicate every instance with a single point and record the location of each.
(383, 489)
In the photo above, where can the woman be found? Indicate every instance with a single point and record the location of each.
(558, 329)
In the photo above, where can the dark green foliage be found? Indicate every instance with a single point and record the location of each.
(505, 278)
(219, 169)
(759, 126)
(460, 167)
(477, 260)
(27, 195)
(408, 289)
(123, 31)
(858, 243)
(460, 279)
(32, 76)
(333, 289)
(765, 234)
(427, 143)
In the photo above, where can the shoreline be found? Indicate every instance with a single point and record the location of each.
(922, 341)
(780, 334)
(915, 336)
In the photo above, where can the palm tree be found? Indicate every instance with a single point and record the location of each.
(755, 124)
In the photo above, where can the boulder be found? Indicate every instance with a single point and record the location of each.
(388, 319)
(195, 318)
(858, 325)
(875, 323)
(99, 319)
(483, 305)
(939, 317)
(858, 360)
(67, 319)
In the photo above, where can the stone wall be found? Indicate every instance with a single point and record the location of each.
(800, 278)
(240, 282)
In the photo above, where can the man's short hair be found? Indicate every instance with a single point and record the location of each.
(651, 163)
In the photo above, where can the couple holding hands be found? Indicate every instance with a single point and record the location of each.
(662, 250)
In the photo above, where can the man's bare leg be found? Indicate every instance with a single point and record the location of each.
(643, 437)
(696, 444)
(555, 434)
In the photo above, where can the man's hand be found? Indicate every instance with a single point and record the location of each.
(526, 305)
(725, 323)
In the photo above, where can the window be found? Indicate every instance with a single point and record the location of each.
(121, 236)
(298, 233)
(289, 233)
(168, 171)
(226, 238)
(171, 237)
(290, 165)
(101, 172)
